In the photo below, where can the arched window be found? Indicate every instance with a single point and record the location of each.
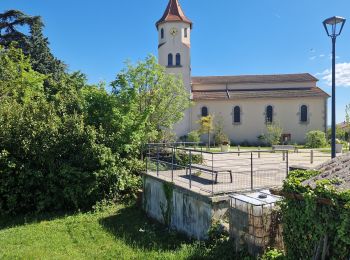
(185, 32)
(178, 59)
(236, 114)
(162, 33)
(303, 114)
(204, 111)
(170, 59)
(269, 114)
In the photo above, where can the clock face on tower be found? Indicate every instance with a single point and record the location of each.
(173, 31)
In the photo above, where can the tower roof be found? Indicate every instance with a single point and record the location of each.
(174, 13)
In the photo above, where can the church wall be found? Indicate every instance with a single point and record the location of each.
(286, 113)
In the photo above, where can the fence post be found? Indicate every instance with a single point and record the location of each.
(287, 163)
(284, 155)
(251, 171)
(190, 169)
(172, 164)
(239, 149)
(158, 160)
(212, 174)
(312, 156)
(259, 152)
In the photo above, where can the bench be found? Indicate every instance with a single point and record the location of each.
(284, 148)
(212, 170)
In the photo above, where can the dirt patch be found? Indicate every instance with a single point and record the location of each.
(337, 170)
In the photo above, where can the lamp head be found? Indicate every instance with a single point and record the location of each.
(334, 26)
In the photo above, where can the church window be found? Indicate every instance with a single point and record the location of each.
(269, 114)
(236, 115)
(204, 111)
(303, 114)
(185, 32)
(178, 59)
(162, 33)
(170, 59)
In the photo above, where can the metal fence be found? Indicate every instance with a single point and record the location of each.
(191, 166)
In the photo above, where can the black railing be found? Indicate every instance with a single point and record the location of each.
(191, 166)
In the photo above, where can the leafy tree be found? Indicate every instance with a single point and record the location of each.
(206, 126)
(219, 136)
(13, 23)
(51, 158)
(273, 134)
(149, 99)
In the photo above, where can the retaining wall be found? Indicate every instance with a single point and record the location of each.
(181, 209)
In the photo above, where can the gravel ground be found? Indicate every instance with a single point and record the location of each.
(337, 169)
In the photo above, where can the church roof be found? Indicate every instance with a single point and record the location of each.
(174, 13)
(231, 94)
(259, 79)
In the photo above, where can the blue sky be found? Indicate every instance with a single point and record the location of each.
(228, 38)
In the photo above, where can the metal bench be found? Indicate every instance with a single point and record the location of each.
(284, 148)
(209, 169)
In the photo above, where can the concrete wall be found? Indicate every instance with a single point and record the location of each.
(286, 113)
(190, 213)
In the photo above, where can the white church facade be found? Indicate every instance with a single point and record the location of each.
(246, 103)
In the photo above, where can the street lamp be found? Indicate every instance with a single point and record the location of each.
(334, 27)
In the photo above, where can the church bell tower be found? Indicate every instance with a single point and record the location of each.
(174, 46)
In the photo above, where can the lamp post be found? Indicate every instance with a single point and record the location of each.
(333, 27)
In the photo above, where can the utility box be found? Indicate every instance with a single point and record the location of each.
(255, 221)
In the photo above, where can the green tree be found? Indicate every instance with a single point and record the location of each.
(149, 99)
(33, 44)
(206, 126)
(273, 134)
(219, 136)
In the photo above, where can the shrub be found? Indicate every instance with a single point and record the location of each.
(316, 139)
(310, 223)
(221, 138)
(194, 137)
(273, 134)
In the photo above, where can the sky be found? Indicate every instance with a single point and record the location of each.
(228, 38)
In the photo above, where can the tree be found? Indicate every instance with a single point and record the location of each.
(149, 98)
(206, 126)
(219, 136)
(33, 44)
(273, 134)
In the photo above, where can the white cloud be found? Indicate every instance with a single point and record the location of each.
(313, 57)
(342, 75)
(322, 55)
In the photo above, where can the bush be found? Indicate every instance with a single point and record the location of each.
(273, 134)
(316, 139)
(319, 218)
(194, 137)
(221, 138)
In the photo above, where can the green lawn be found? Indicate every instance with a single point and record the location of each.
(117, 232)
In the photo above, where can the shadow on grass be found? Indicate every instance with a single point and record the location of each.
(8, 221)
(131, 225)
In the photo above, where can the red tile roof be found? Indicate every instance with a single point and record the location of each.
(260, 79)
(174, 13)
(258, 93)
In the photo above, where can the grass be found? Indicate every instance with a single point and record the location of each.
(116, 232)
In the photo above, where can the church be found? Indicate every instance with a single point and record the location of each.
(245, 103)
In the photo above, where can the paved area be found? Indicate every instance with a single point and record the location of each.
(250, 170)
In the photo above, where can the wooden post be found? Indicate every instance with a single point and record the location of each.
(251, 171)
(312, 156)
